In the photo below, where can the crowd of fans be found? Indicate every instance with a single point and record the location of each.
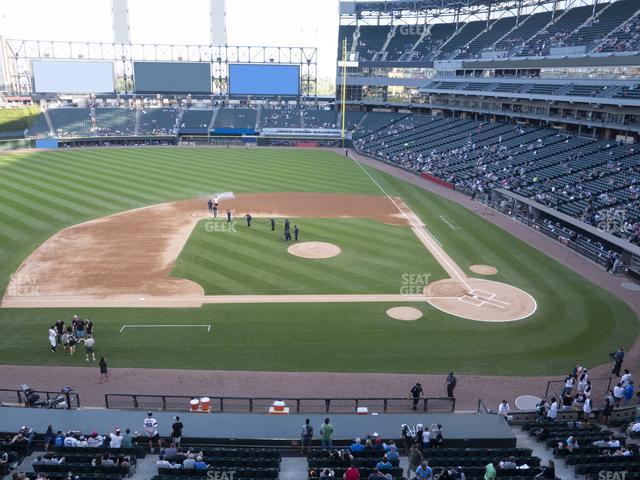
(513, 166)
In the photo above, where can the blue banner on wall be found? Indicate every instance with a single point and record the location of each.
(47, 143)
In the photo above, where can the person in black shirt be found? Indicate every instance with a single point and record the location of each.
(416, 393)
(89, 327)
(60, 329)
(176, 431)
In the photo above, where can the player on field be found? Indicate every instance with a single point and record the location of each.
(53, 339)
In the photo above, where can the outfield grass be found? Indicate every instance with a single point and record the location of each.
(43, 192)
(255, 260)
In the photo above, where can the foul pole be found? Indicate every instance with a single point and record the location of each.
(343, 100)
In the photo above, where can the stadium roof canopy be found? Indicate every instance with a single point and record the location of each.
(392, 6)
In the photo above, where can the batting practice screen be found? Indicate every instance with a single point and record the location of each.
(264, 79)
(71, 76)
(172, 77)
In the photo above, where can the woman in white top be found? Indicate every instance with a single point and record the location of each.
(53, 339)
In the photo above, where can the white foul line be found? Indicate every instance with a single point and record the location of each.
(163, 326)
(416, 230)
(447, 222)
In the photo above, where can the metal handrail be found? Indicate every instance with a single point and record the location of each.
(261, 404)
(72, 399)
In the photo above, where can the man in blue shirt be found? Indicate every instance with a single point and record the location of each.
(357, 446)
(384, 464)
(424, 471)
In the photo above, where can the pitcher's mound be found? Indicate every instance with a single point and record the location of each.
(404, 313)
(314, 250)
(483, 269)
(480, 299)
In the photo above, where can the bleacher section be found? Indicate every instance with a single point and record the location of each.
(497, 30)
(472, 461)
(157, 121)
(465, 34)
(609, 19)
(402, 42)
(371, 40)
(578, 176)
(39, 128)
(196, 121)
(71, 121)
(320, 119)
(528, 27)
(246, 463)
(588, 458)
(436, 35)
(345, 31)
(113, 121)
(558, 31)
(372, 121)
(280, 118)
(236, 118)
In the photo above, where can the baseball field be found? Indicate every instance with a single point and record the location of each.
(123, 237)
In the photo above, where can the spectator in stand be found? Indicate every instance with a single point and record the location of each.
(95, 440)
(415, 459)
(49, 438)
(424, 471)
(150, 426)
(490, 471)
(508, 464)
(171, 452)
(107, 461)
(176, 431)
(127, 439)
(115, 438)
(352, 473)
(200, 464)
(384, 464)
(326, 432)
(549, 471)
(628, 392)
(356, 446)
(189, 462)
(552, 413)
(306, 437)
(609, 402)
(618, 394)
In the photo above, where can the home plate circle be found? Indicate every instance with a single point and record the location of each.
(314, 250)
(480, 299)
(404, 313)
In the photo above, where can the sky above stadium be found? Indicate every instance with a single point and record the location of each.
(312, 23)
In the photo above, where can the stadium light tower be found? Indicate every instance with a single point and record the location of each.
(218, 22)
(120, 21)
